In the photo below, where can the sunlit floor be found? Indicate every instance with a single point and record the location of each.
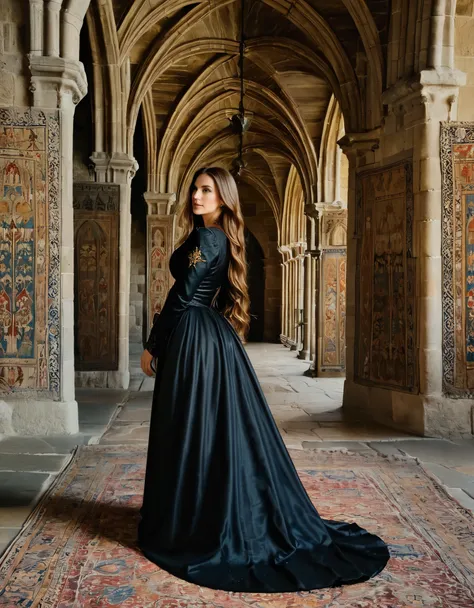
(305, 409)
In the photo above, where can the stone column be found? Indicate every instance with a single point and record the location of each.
(407, 148)
(308, 303)
(58, 84)
(285, 252)
(428, 100)
(161, 237)
(293, 291)
(119, 169)
(314, 265)
(300, 303)
(305, 351)
(332, 238)
(312, 214)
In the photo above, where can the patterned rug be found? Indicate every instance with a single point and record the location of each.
(78, 547)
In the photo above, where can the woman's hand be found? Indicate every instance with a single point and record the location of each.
(145, 363)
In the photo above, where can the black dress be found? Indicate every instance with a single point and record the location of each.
(223, 505)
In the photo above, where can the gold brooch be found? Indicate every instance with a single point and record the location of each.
(195, 257)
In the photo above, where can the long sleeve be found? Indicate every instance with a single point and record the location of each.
(202, 256)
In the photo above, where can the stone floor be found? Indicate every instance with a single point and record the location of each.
(307, 410)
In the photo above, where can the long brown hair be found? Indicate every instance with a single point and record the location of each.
(235, 300)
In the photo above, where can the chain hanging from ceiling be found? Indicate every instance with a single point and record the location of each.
(240, 122)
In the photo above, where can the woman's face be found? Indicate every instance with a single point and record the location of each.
(205, 197)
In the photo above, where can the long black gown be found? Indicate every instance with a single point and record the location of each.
(223, 505)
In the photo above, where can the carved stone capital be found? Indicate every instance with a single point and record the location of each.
(160, 203)
(54, 78)
(285, 253)
(298, 249)
(116, 168)
(360, 143)
(430, 93)
(424, 85)
(311, 210)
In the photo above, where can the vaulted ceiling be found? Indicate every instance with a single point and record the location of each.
(182, 62)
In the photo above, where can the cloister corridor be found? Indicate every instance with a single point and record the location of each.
(341, 237)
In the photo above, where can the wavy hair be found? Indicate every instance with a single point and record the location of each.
(235, 301)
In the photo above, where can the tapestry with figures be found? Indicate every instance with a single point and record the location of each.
(333, 310)
(457, 160)
(29, 252)
(385, 352)
(159, 249)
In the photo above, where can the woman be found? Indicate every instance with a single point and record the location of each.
(223, 505)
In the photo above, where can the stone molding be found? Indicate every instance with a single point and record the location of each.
(293, 251)
(360, 143)
(54, 77)
(311, 210)
(407, 88)
(160, 203)
(117, 168)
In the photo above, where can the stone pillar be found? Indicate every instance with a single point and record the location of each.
(44, 398)
(357, 147)
(307, 320)
(283, 300)
(332, 227)
(308, 303)
(395, 332)
(300, 303)
(119, 169)
(314, 326)
(291, 304)
(313, 251)
(285, 253)
(161, 238)
(294, 291)
(429, 100)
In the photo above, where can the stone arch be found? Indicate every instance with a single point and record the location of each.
(310, 58)
(264, 96)
(149, 127)
(338, 236)
(332, 160)
(108, 78)
(367, 29)
(312, 24)
(72, 18)
(432, 47)
(138, 21)
(301, 15)
(293, 219)
(184, 108)
(161, 62)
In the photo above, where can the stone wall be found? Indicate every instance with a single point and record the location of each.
(13, 35)
(261, 222)
(410, 243)
(464, 55)
(137, 288)
(83, 142)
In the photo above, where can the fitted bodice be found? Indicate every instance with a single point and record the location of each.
(216, 277)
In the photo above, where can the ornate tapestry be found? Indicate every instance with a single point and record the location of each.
(159, 249)
(457, 158)
(385, 352)
(333, 310)
(96, 276)
(29, 252)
